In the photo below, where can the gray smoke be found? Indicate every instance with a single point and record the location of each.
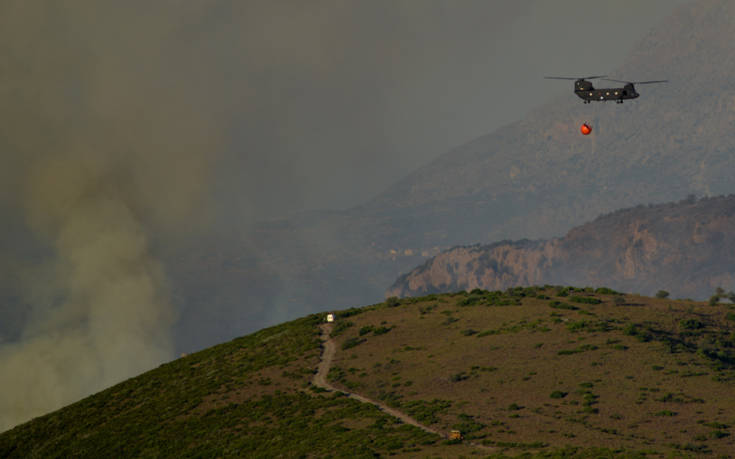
(102, 148)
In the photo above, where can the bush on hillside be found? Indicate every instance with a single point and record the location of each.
(392, 302)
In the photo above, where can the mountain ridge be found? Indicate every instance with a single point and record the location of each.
(685, 248)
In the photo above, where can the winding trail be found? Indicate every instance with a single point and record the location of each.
(320, 380)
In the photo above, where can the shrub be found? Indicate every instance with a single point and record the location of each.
(585, 299)
(691, 324)
(662, 294)
(450, 320)
(352, 342)
(640, 335)
(426, 412)
(336, 374)
(582, 348)
(559, 305)
(467, 424)
(351, 312)
(472, 299)
(390, 398)
(392, 301)
(340, 327)
(589, 326)
(382, 330)
(558, 394)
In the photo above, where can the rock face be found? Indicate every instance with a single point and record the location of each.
(686, 248)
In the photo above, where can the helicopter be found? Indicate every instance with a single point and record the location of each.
(588, 93)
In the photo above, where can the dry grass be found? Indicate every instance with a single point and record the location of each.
(621, 391)
(508, 370)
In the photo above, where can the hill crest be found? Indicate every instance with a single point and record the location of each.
(538, 370)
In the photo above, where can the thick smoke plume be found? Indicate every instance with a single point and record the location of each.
(104, 153)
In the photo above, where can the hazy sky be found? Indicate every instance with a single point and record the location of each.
(318, 104)
(344, 98)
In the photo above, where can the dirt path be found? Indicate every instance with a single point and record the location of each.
(320, 380)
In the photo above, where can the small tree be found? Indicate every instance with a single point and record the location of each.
(662, 294)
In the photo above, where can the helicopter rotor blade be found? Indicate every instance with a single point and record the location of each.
(574, 78)
(636, 82)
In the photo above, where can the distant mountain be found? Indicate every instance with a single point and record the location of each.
(686, 248)
(555, 372)
(535, 178)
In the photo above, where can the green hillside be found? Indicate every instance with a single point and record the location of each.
(250, 397)
(539, 372)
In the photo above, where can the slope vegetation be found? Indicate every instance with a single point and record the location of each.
(537, 368)
(542, 371)
(251, 397)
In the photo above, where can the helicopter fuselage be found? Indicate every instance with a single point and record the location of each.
(588, 93)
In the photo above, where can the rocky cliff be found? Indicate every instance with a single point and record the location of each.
(686, 248)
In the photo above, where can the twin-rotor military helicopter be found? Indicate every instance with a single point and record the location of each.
(585, 91)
